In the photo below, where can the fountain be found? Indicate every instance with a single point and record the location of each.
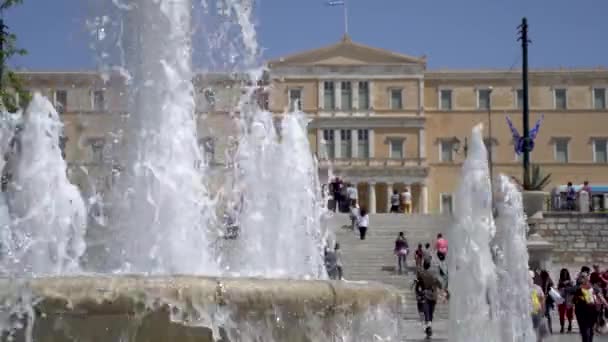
(485, 253)
(155, 275)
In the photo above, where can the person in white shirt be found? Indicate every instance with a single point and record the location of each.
(351, 191)
(363, 223)
(354, 214)
(406, 200)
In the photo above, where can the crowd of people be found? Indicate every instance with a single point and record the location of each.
(583, 297)
(344, 196)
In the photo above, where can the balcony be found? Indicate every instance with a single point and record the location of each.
(372, 162)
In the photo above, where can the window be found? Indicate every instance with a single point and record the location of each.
(560, 99)
(396, 99)
(599, 98)
(61, 100)
(445, 204)
(209, 98)
(345, 143)
(295, 100)
(561, 150)
(363, 95)
(520, 99)
(347, 95)
(600, 151)
(396, 148)
(63, 142)
(447, 151)
(97, 150)
(446, 99)
(98, 100)
(329, 100)
(328, 136)
(363, 143)
(483, 98)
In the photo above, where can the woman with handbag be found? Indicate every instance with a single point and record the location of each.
(546, 283)
(566, 288)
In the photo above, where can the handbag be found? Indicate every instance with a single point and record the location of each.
(557, 298)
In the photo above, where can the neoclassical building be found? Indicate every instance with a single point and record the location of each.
(383, 121)
(379, 119)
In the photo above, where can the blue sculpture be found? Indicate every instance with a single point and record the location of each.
(518, 140)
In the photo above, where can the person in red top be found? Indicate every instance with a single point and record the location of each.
(442, 247)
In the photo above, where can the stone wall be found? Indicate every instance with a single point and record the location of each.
(577, 238)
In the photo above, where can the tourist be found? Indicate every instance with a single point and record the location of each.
(566, 288)
(363, 223)
(597, 279)
(585, 308)
(570, 197)
(401, 249)
(586, 187)
(338, 254)
(428, 254)
(430, 287)
(441, 246)
(354, 214)
(547, 284)
(406, 200)
(331, 263)
(419, 255)
(395, 202)
(538, 303)
(351, 192)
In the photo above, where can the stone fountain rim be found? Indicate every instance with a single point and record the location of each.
(105, 294)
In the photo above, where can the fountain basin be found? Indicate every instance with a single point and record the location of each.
(190, 308)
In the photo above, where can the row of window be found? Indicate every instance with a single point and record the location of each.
(560, 98)
(60, 100)
(560, 150)
(346, 147)
(347, 100)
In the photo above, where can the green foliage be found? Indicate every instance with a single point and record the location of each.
(10, 84)
(538, 181)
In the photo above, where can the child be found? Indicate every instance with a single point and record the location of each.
(338, 254)
(354, 214)
(363, 223)
(419, 256)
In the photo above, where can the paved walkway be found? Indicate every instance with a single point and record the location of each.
(414, 332)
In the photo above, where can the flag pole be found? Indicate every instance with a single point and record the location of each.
(345, 18)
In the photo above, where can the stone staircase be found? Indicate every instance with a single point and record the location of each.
(373, 258)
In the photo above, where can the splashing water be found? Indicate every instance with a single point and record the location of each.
(484, 253)
(472, 271)
(280, 220)
(48, 215)
(512, 265)
(164, 210)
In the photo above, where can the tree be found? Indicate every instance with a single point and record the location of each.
(10, 83)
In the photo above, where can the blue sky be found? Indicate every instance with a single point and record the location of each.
(457, 34)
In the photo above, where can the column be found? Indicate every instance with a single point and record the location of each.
(370, 86)
(389, 194)
(354, 85)
(420, 96)
(338, 95)
(424, 198)
(370, 143)
(321, 90)
(354, 143)
(337, 144)
(422, 144)
(371, 201)
(321, 150)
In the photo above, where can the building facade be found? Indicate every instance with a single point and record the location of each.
(379, 119)
(383, 121)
